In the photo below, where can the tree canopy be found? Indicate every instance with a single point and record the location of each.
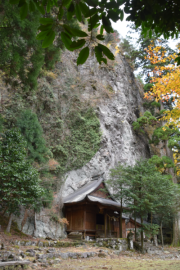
(164, 92)
(143, 189)
(160, 16)
(21, 54)
(19, 181)
(33, 134)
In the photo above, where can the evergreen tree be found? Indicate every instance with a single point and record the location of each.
(19, 182)
(129, 50)
(167, 203)
(139, 187)
(112, 38)
(33, 134)
(1, 122)
(119, 182)
(21, 54)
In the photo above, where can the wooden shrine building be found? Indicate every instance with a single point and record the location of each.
(93, 212)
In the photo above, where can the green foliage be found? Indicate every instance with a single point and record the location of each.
(170, 134)
(151, 106)
(144, 189)
(147, 87)
(155, 16)
(32, 131)
(160, 133)
(146, 119)
(83, 55)
(101, 12)
(151, 229)
(47, 197)
(1, 123)
(21, 55)
(61, 121)
(20, 184)
(81, 144)
(162, 163)
(129, 50)
(112, 38)
(140, 184)
(54, 217)
(138, 54)
(47, 184)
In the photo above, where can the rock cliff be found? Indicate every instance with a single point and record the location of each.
(116, 98)
(116, 113)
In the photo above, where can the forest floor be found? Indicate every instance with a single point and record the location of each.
(126, 260)
(103, 258)
(119, 263)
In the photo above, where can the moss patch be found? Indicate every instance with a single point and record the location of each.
(82, 142)
(70, 126)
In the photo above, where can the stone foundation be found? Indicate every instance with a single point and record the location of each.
(120, 244)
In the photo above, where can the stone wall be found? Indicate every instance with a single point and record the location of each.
(119, 244)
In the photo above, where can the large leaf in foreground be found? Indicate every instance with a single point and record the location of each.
(106, 51)
(77, 44)
(83, 55)
(48, 39)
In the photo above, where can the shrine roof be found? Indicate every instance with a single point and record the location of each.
(81, 193)
(84, 193)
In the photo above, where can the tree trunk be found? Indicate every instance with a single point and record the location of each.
(142, 240)
(176, 229)
(135, 226)
(34, 223)
(24, 219)
(151, 218)
(176, 221)
(162, 239)
(9, 223)
(121, 221)
(4, 212)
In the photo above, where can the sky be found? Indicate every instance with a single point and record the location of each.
(122, 28)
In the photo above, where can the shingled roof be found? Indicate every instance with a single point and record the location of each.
(84, 193)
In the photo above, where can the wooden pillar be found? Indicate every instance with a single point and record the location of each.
(109, 226)
(84, 222)
(120, 225)
(71, 226)
(105, 225)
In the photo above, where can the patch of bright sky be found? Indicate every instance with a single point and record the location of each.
(122, 28)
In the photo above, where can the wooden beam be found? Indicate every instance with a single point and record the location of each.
(4, 264)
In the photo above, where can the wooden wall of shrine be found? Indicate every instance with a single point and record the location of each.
(93, 220)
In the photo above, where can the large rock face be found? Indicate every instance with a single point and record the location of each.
(115, 96)
(116, 114)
